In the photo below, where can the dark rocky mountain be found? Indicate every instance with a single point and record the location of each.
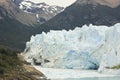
(43, 11)
(15, 25)
(109, 3)
(97, 12)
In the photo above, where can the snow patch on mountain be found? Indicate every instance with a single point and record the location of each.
(89, 47)
(43, 11)
(27, 6)
(62, 3)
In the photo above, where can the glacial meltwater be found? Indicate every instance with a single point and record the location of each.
(75, 74)
(96, 78)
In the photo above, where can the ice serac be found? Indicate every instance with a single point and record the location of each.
(89, 47)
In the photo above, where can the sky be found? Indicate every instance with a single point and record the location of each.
(63, 3)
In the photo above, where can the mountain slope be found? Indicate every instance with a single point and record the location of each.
(14, 12)
(109, 3)
(13, 32)
(84, 12)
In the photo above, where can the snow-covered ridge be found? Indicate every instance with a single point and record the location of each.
(62, 3)
(89, 47)
(27, 5)
(43, 11)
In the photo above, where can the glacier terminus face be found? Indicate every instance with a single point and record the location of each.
(89, 47)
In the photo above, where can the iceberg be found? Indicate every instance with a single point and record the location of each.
(89, 47)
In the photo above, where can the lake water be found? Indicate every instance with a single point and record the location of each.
(74, 74)
(105, 78)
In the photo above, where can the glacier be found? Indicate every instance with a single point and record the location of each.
(89, 47)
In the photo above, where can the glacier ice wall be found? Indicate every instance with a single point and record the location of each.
(89, 47)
